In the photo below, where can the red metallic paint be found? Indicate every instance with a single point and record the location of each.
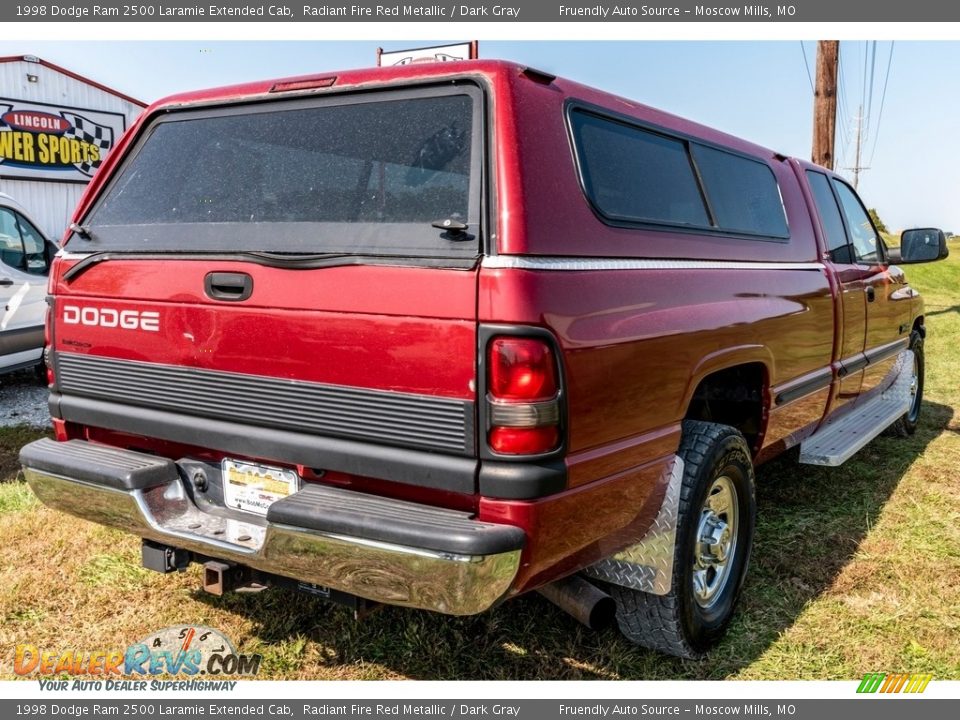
(860, 325)
(373, 327)
(634, 343)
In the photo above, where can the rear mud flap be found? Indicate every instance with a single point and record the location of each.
(648, 565)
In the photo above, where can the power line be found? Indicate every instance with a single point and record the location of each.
(849, 120)
(807, 64)
(866, 101)
(842, 66)
(843, 98)
(883, 97)
(863, 90)
(841, 107)
(870, 86)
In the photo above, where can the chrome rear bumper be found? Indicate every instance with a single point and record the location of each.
(452, 580)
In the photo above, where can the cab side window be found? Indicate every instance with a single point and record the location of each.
(826, 202)
(11, 246)
(867, 247)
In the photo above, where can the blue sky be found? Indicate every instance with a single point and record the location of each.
(757, 90)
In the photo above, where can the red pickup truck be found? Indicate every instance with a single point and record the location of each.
(439, 335)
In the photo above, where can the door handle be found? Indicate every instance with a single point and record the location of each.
(6, 282)
(232, 287)
(871, 294)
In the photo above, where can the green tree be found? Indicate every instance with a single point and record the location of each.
(877, 221)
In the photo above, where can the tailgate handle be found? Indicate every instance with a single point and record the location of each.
(228, 286)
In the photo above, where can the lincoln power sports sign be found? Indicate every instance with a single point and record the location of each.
(50, 142)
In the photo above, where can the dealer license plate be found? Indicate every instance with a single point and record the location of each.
(254, 488)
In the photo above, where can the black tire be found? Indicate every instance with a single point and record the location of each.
(40, 372)
(678, 623)
(906, 424)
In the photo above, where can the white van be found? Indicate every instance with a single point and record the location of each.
(25, 256)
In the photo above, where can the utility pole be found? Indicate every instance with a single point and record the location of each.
(857, 167)
(825, 103)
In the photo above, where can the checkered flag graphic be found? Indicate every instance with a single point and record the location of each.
(85, 130)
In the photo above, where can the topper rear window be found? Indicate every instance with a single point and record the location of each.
(359, 174)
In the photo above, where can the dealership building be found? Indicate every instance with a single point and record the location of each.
(56, 128)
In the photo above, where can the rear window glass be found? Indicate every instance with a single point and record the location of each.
(633, 174)
(743, 193)
(355, 177)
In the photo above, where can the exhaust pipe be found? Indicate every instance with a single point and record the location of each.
(587, 603)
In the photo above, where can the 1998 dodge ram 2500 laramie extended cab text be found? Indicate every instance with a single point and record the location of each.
(439, 335)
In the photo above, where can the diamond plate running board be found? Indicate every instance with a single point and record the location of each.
(648, 565)
(836, 442)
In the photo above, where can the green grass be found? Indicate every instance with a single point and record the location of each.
(16, 497)
(119, 571)
(855, 569)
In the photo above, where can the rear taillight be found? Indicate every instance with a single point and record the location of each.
(523, 396)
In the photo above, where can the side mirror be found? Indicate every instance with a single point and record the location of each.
(921, 245)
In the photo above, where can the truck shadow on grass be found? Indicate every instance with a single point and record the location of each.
(943, 311)
(811, 521)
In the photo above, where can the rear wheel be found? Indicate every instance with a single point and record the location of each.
(714, 534)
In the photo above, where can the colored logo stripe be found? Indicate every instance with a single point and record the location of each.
(870, 683)
(894, 683)
(918, 683)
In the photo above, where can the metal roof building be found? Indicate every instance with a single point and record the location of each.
(56, 127)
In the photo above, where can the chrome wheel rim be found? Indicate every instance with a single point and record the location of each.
(716, 542)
